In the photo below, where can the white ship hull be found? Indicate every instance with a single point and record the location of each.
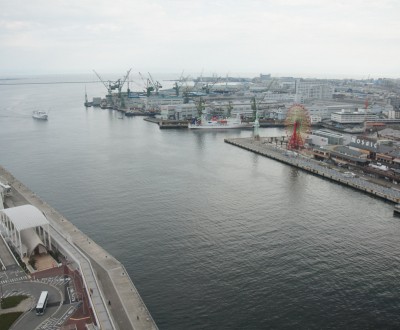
(41, 115)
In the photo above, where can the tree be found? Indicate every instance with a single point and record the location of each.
(200, 107)
(254, 107)
(230, 108)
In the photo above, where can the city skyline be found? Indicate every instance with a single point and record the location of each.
(344, 39)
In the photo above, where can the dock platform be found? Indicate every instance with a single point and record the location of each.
(262, 147)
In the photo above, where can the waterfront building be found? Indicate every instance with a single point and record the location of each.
(331, 138)
(157, 101)
(167, 111)
(316, 140)
(325, 109)
(344, 155)
(349, 117)
(379, 150)
(186, 111)
(243, 108)
(179, 111)
(395, 155)
(391, 134)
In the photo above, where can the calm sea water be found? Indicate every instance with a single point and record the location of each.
(214, 237)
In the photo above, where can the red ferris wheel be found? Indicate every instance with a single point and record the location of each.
(297, 124)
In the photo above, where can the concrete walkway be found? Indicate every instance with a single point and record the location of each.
(368, 186)
(115, 299)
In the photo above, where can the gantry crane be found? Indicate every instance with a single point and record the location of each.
(106, 85)
(121, 83)
(113, 85)
(147, 85)
(178, 84)
(156, 85)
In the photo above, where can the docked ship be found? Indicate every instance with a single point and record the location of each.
(41, 115)
(215, 123)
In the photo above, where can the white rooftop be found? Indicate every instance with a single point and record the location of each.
(25, 216)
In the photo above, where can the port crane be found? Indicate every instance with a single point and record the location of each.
(156, 85)
(188, 90)
(113, 85)
(147, 85)
(121, 83)
(178, 84)
(207, 87)
(107, 85)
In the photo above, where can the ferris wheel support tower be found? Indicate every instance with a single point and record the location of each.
(297, 126)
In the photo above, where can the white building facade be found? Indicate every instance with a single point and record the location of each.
(314, 89)
(347, 117)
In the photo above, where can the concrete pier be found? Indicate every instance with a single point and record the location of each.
(115, 300)
(262, 147)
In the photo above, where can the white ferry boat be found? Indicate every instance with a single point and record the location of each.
(41, 115)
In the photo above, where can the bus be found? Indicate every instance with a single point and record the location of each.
(42, 303)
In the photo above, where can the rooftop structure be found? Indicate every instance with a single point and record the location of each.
(24, 224)
(333, 138)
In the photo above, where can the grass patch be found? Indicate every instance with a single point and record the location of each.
(12, 301)
(6, 320)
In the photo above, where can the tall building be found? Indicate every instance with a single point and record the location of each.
(314, 89)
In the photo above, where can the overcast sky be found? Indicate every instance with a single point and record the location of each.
(352, 38)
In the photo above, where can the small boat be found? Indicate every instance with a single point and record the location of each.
(41, 115)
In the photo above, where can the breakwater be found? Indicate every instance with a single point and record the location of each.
(273, 151)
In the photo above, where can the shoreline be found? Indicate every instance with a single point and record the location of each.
(313, 167)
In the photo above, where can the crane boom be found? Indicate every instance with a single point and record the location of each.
(121, 83)
(155, 84)
(98, 76)
(147, 85)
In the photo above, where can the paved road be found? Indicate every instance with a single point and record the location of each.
(31, 288)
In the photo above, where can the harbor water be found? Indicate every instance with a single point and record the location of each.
(213, 236)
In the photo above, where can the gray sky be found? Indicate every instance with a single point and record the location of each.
(350, 38)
